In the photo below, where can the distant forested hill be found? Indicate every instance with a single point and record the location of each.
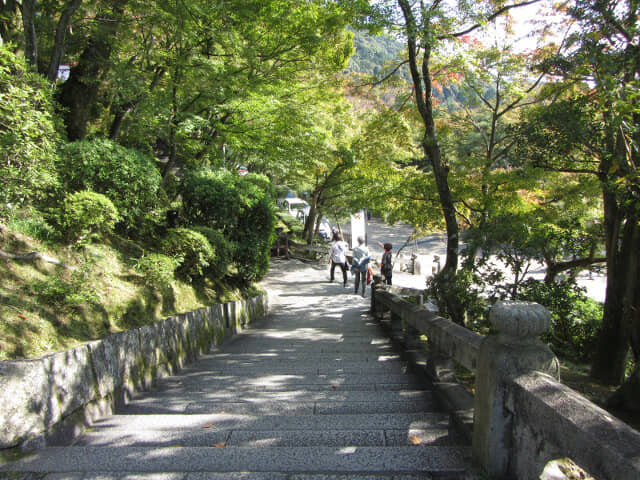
(373, 54)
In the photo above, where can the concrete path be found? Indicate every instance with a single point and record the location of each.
(314, 391)
(435, 244)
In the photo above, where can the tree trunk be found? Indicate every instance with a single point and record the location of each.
(59, 45)
(431, 147)
(627, 396)
(310, 221)
(30, 36)
(613, 343)
(79, 94)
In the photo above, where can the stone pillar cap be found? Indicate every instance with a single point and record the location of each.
(520, 320)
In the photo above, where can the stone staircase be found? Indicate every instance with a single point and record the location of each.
(314, 391)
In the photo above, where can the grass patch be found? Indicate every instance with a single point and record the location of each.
(45, 307)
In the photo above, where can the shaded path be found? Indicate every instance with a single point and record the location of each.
(313, 391)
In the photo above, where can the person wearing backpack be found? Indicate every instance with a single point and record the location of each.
(386, 265)
(360, 265)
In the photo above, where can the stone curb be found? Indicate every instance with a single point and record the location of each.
(57, 396)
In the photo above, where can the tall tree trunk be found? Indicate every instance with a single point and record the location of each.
(613, 343)
(310, 221)
(79, 93)
(59, 45)
(30, 35)
(628, 395)
(431, 147)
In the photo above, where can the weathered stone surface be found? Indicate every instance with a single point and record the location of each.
(24, 400)
(65, 390)
(501, 358)
(115, 360)
(555, 422)
(72, 383)
(520, 321)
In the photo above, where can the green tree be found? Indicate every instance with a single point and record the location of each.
(427, 27)
(28, 135)
(595, 130)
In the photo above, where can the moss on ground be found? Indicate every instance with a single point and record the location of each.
(45, 307)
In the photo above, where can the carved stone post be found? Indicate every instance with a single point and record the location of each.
(515, 350)
(377, 309)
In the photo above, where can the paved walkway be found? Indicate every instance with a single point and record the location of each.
(314, 391)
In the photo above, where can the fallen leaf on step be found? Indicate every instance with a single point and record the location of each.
(252, 437)
(220, 445)
(223, 412)
(208, 425)
(24, 317)
(414, 440)
(334, 386)
(179, 383)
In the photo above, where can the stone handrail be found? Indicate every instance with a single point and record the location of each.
(50, 400)
(521, 417)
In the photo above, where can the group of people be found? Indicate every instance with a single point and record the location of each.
(360, 262)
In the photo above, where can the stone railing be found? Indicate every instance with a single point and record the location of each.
(50, 400)
(521, 418)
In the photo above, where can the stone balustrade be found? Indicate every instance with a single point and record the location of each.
(52, 399)
(521, 418)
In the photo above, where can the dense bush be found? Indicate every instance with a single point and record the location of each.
(86, 215)
(129, 178)
(575, 318)
(237, 207)
(468, 290)
(28, 134)
(222, 248)
(157, 270)
(191, 250)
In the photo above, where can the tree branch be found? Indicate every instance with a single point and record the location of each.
(493, 16)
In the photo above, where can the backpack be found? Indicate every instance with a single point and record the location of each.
(387, 266)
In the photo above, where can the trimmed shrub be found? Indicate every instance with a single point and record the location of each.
(86, 215)
(191, 250)
(129, 178)
(221, 246)
(238, 208)
(157, 270)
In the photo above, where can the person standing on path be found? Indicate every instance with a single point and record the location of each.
(360, 265)
(338, 256)
(386, 264)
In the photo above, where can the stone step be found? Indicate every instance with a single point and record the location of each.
(309, 357)
(417, 459)
(255, 476)
(269, 438)
(226, 421)
(302, 367)
(286, 348)
(292, 381)
(188, 407)
(199, 394)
